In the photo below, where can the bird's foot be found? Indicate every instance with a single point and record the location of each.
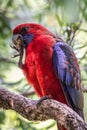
(14, 47)
(20, 64)
(42, 99)
(21, 52)
(15, 55)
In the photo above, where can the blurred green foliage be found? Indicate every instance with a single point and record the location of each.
(67, 18)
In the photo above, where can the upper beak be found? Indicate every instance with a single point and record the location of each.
(17, 40)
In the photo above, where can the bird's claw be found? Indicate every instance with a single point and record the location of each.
(42, 99)
(13, 47)
(20, 54)
(15, 55)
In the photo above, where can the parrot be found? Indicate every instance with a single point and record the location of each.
(49, 65)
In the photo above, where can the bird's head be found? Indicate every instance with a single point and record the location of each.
(23, 34)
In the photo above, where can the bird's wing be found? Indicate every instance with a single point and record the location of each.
(67, 70)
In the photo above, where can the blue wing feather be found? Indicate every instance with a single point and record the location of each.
(60, 64)
(69, 78)
(67, 70)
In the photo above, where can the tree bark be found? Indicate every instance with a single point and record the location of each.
(48, 109)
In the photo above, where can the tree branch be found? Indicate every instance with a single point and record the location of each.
(6, 60)
(48, 109)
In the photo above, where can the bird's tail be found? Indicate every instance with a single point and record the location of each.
(59, 127)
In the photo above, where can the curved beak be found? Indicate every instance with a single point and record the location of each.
(17, 40)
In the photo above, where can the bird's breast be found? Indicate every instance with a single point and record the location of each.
(39, 62)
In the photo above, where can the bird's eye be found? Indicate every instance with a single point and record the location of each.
(24, 30)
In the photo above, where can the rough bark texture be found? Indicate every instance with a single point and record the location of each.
(48, 109)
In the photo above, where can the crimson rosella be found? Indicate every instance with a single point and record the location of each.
(50, 65)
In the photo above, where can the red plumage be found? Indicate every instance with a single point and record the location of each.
(39, 70)
(38, 67)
